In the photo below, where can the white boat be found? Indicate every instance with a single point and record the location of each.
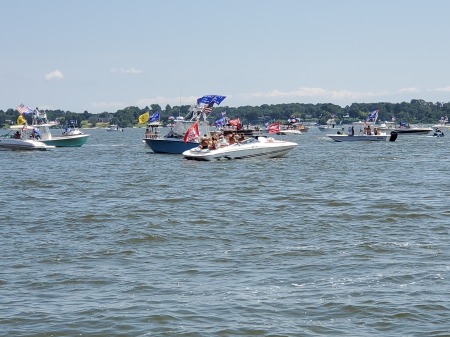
(290, 132)
(249, 148)
(364, 138)
(442, 124)
(329, 127)
(22, 137)
(114, 127)
(413, 130)
(387, 126)
(291, 129)
(404, 128)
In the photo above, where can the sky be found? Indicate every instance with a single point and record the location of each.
(106, 55)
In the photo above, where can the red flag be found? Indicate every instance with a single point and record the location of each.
(235, 122)
(274, 127)
(192, 133)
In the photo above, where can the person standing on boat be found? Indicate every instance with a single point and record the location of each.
(36, 133)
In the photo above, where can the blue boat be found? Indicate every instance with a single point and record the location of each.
(173, 141)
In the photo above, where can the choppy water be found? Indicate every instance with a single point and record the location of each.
(336, 239)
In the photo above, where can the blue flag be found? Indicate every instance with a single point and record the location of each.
(207, 99)
(155, 117)
(219, 122)
(372, 116)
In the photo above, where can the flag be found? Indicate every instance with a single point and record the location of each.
(372, 116)
(192, 133)
(24, 109)
(21, 120)
(143, 118)
(274, 127)
(155, 117)
(207, 108)
(235, 122)
(207, 99)
(219, 122)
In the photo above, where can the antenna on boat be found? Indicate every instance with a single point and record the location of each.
(179, 107)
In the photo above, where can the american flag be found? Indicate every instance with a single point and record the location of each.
(23, 109)
(208, 108)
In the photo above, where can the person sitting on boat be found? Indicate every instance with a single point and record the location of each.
(204, 142)
(17, 135)
(214, 144)
(148, 134)
(231, 138)
(222, 141)
(241, 137)
(375, 131)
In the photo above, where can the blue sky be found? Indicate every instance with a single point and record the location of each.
(106, 55)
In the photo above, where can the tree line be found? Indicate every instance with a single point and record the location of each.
(415, 112)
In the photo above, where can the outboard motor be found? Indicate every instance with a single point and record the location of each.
(393, 136)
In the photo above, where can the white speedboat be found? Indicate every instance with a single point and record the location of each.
(364, 138)
(290, 132)
(22, 138)
(413, 130)
(404, 128)
(249, 148)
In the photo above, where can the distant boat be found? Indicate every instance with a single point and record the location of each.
(114, 127)
(329, 127)
(364, 138)
(404, 128)
(442, 123)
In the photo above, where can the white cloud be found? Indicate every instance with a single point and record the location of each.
(407, 90)
(319, 93)
(163, 101)
(129, 71)
(445, 89)
(54, 75)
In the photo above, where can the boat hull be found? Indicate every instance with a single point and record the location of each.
(169, 145)
(364, 138)
(255, 149)
(22, 145)
(67, 141)
(414, 131)
(289, 132)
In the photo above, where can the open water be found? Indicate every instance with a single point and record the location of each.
(336, 239)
